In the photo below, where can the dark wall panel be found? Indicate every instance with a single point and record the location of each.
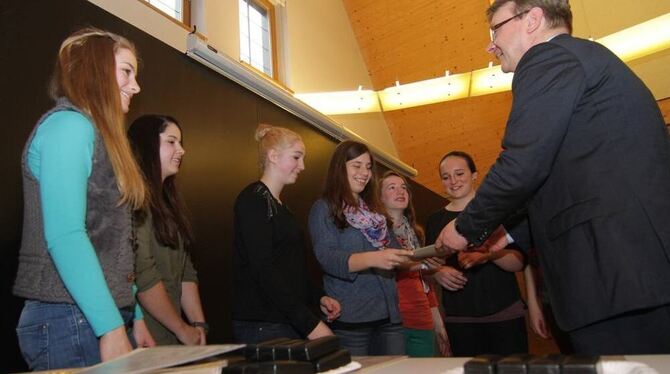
(217, 115)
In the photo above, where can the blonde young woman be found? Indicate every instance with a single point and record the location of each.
(80, 183)
(272, 290)
(483, 309)
(421, 319)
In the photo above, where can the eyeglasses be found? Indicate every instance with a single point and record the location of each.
(498, 25)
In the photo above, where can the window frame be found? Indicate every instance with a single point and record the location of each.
(185, 11)
(272, 20)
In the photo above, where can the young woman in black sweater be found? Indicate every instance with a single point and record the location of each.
(481, 299)
(272, 288)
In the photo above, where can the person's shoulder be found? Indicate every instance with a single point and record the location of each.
(253, 191)
(319, 209)
(569, 41)
(561, 45)
(541, 64)
(67, 128)
(320, 205)
(255, 199)
(584, 49)
(257, 188)
(67, 122)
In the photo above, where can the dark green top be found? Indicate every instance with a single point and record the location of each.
(155, 262)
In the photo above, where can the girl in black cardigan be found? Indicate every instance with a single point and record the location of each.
(272, 287)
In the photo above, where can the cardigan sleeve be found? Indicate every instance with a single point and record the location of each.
(334, 261)
(60, 157)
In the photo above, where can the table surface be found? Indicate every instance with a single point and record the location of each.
(404, 364)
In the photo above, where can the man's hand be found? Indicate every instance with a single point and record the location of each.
(450, 240)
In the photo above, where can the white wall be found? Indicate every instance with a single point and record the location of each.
(147, 19)
(318, 50)
(324, 56)
(222, 27)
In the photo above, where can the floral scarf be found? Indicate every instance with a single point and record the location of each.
(372, 225)
(406, 235)
(408, 240)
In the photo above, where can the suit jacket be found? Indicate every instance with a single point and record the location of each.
(586, 152)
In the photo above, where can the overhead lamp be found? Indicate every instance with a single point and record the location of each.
(207, 55)
(342, 102)
(640, 40)
(629, 44)
(490, 80)
(448, 87)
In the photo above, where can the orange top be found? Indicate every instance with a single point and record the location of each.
(414, 301)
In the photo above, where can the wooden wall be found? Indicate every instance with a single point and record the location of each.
(218, 118)
(425, 134)
(665, 109)
(411, 40)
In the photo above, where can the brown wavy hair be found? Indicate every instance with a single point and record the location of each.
(168, 211)
(337, 191)
(409, 211)
(85, 74)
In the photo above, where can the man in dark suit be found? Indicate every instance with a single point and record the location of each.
(586, 155)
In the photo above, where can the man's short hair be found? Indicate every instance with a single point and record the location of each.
(557, 12)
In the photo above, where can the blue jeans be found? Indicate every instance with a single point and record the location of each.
(252, 332)
(384, 340)
(55, 336)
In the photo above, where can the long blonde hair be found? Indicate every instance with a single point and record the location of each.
(85, 73)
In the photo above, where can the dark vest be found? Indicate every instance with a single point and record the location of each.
(108, 227)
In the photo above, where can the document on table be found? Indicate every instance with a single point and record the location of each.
(143, 360)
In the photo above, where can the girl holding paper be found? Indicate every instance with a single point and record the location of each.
(421, 318)
(350, 237)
